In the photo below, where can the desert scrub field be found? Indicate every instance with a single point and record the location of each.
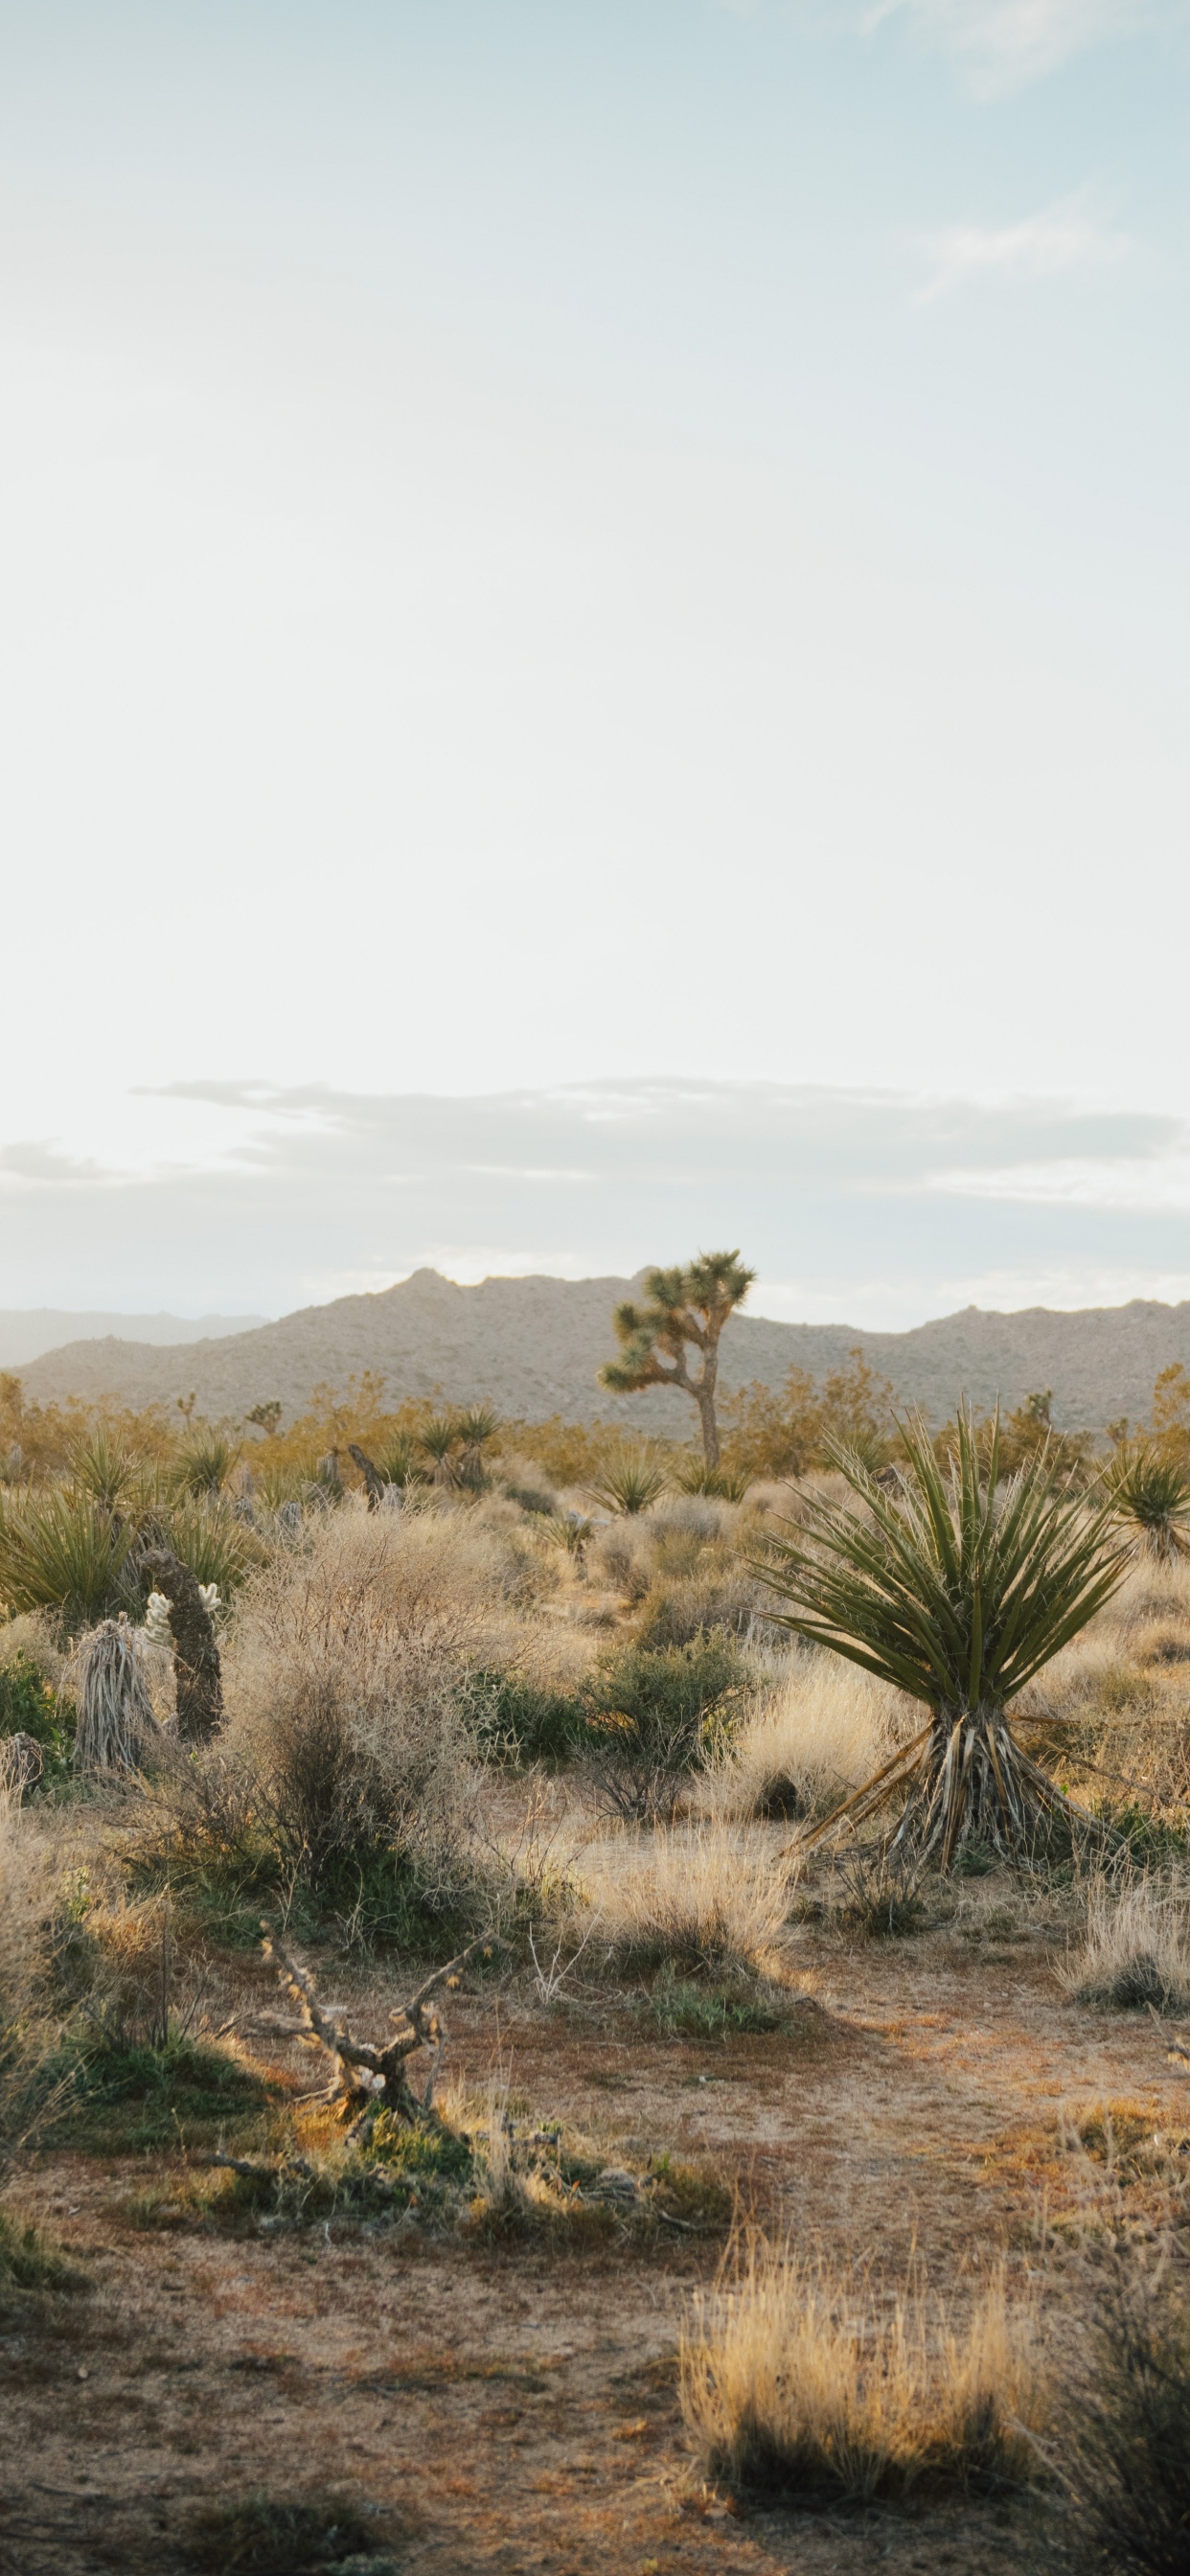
(695, 2193)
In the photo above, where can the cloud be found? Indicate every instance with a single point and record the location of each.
(1051, 244)
(1002, 45)
(875, 1209)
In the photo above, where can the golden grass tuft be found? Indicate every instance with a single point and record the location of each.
(801, 2384)
(703, 1897)
(1136, 1953)
(824, 1728)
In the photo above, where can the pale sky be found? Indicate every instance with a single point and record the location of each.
(560, 549)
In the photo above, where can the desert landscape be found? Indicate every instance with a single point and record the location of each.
(519, 2050)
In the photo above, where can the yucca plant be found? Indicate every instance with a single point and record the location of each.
(203, 1463)
(957, 1589)
(63, 1550)
(1150, 1494)
(207, 1536)
(399, 1463)
(629, 1482)
(440, 1437)
(104, 1469)
(722, 1484)
(475, 1428)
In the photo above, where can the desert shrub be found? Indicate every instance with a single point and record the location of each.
(133, 2086)
(821, 1730)
(516, 1719)
(621, 1557)
(30, 1705)
(801, 2385)
(1126, 2446)
(1136, 1952)
(723, 1597)
(266, 2535)
(31, 2270)
(703, 1901)
(686, 2008)
(344, 1768)
(655, 1715)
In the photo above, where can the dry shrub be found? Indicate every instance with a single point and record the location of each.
(824, 1729)
(32, 1636)
(800, 2384)
(343, 1679)
(29, 1888)
(704, 1899)
(1135, 1952)
(1124, 2459)
(621, 1559)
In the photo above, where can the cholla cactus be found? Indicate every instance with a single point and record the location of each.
(157, 1627)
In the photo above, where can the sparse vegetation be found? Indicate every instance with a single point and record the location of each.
(483, 1711)
(802, 2385)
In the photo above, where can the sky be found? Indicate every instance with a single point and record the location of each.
(593, 636)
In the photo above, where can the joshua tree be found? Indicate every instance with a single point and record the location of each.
(686, 1309)
(1150, 1490)
(956, 1589)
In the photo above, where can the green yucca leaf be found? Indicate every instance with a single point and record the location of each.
(954, 1589)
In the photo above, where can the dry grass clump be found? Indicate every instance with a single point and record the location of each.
(701, 1898)
(1136, 1951)
(1125, 2453)
(343, 1677)
(800, 2384)
(825, 1727)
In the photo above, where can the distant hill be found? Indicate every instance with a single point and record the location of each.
(532, 1346)
(27, 1331)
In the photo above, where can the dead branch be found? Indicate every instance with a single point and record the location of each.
(373, 2079)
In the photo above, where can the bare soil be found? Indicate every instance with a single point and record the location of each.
(517, 2410)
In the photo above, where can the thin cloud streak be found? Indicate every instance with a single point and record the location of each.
(1053, 243)
(1004, 45)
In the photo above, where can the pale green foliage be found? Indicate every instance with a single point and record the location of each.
(1150, 1492)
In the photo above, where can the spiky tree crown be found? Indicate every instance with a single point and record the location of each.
(685, 1305)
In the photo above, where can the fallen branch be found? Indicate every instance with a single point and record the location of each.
(374, 2079)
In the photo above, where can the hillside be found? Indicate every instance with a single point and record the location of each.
(533, 1347)
(27, 1331)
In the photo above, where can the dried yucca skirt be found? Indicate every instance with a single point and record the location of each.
(116, 1724)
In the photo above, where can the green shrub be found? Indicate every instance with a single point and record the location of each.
(129, 2093)
(31, 2269)
(29, 1705)
(655, 1714)
(265, 2535)
(685, 2010)
(516, 1721)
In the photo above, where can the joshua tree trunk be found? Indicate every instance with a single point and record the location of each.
(196, 1655)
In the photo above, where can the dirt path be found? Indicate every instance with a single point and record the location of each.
(514, 2411)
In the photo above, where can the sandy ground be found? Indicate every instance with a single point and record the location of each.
(515, 2411)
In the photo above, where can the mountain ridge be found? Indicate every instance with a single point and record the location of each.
(532, 1347)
